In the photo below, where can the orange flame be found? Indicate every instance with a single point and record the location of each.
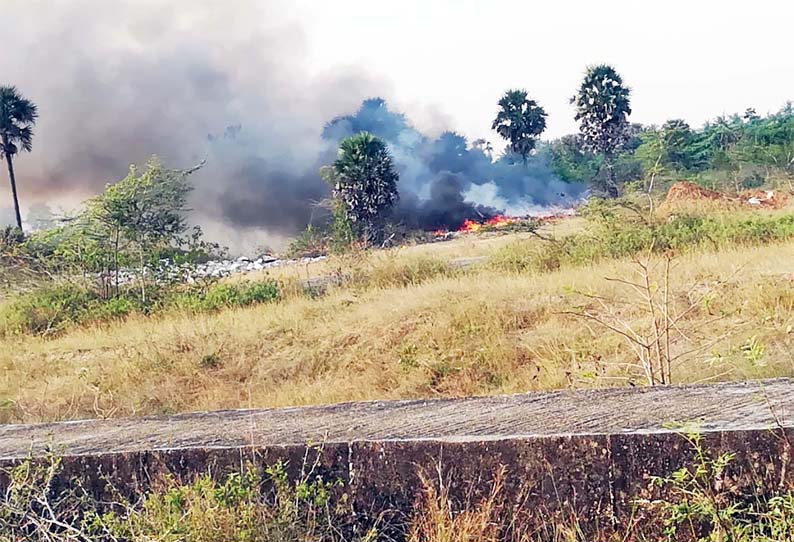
(500, 220)
(497, 221)
(470, 226)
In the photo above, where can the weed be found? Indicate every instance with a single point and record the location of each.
(210, 361)
(753, 351)
(703, 505)
(245, 506)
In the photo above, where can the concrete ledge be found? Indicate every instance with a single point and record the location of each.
(591, 453)
(720, 407)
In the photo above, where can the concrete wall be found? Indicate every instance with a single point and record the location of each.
(597, 478)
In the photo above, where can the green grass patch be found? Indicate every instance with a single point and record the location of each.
(619, 236)
(52, 308)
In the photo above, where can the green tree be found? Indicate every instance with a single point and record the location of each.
(571, 162)
(677, 138)
(133, 224)
(520, 121)
(141, 213)
(669, 148)
(364, 183)
(602, 109)
(17, 118)
(723, 137)
(769, 141)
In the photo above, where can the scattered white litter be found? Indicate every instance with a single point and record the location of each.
(168, 271)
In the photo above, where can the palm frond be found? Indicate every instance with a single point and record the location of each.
(17, 117)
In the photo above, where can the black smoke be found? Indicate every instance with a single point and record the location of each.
(445, 208)
(117, 82)
(446, 180)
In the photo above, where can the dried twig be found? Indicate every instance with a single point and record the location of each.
(657, 345)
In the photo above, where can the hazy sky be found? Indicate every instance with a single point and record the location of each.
(450, 59)
(119, 80)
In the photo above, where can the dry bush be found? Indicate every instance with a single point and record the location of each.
(668, 335)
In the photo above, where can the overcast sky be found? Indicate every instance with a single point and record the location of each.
(449, 60)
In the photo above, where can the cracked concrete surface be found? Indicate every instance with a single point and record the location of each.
(720, 407)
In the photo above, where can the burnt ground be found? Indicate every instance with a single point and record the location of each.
(717, 407)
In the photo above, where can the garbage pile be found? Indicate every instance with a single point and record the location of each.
(765, 198)
(190, 273)
(684, 194)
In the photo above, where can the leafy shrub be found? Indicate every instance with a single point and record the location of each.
(210, 361)
(46, 309)
(237, 508)
(50, 309)
(703, 505)
(310, 243)
(240, 294)
(246, 506)
(114, 308)
(223, 295)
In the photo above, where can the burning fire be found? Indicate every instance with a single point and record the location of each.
(500, 220)
(497, 221)
(470, 225)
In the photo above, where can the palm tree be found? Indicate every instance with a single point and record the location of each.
(365, 181)
(520, 121)
(602, 108)
(17, 117)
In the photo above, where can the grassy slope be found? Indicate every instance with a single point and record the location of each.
(479, 332)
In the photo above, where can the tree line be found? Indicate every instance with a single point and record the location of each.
(607, 152)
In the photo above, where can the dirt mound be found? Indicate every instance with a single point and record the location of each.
(688, 196)
(770, 199)
(689, 191)
(685, 195)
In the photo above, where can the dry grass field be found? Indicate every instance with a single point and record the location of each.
(416, 328)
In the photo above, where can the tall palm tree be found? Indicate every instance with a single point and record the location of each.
(603, 104)
(520, 121)
(17, 117)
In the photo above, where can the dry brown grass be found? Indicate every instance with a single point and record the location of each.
(437, 520)
(476, 332)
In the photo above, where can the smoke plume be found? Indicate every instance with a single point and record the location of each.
(447, 179)
(117, 82)
(7, 217)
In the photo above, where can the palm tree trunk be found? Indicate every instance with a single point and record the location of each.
(612, 185)
(13, 179)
